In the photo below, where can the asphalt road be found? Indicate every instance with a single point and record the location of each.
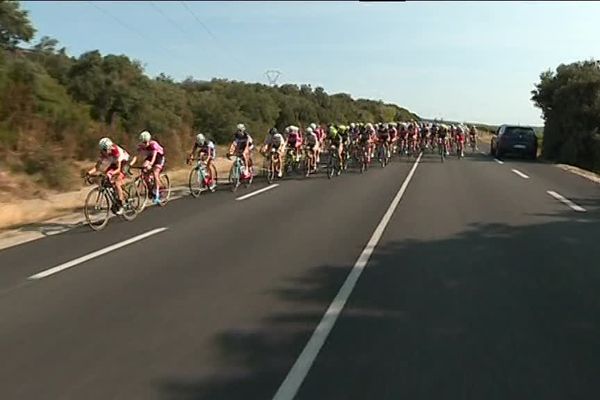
(481, 286)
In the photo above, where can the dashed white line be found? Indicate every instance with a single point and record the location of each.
(522, 175)
(566, 201)
(259, 191)
(296, 375)
(498, 161)
(62, 267)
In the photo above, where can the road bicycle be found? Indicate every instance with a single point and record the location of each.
(236, 173)
(333, 163)
(102, 200)
(200, 180)
(145, 186)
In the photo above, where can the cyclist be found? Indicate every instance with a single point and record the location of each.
(383, 139)
(241, 146)
(473, 135)
(205, 149)
(274, 140)
(320, 132)
(118, 160)
(393, 132)
(154, 159)
(344, 132)
(365, 140)
(334, 139)
(372, 138)
(312, 145)
(460, 140)
(294, 140)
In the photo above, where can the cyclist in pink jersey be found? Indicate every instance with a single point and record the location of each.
(154, 158)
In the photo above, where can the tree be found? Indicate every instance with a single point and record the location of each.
(570, 102)
(15, 26)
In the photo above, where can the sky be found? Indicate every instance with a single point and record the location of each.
(467, 61)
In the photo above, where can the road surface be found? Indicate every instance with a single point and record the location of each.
(479, 285)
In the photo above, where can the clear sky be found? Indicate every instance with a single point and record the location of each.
(473, 61)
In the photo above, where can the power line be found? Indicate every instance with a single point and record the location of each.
(169, 19)
(123, 24)
(210, 33)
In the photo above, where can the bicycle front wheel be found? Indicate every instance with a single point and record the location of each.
(196, 182)
(97, 209)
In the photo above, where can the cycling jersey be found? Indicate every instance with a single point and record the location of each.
(243, 141)
(208, 148)
(115, 155)
(275, 140)
(311, 139)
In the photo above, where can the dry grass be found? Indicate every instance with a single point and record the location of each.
(30, 204)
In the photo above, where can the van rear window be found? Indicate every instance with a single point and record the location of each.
(519, 131)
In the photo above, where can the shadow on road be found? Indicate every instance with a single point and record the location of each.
(496, 312)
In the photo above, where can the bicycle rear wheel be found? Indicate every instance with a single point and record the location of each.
(97, 209)
(164, 192)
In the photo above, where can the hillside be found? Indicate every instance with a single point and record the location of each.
(54, 107)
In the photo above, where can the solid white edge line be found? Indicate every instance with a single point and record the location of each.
(498, 161)
(95, 254)
(301, 367)
(566, 201)
(522, 175)
(259, 191)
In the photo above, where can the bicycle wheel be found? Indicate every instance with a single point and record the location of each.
(330, 167)
(234, 177)
(248, 181)
(142, 190)
(196, 182)
(131, 203)
(97, 209)
(164, 193)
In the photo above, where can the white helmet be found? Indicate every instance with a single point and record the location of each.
(369, 125)
(241, 127)
(294, 128)
(200, 139)
(105, 143)
(288, 129)
(352, 125)
(313, 125)
(309, 130)
(145, 136)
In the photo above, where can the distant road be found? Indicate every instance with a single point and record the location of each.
(483, 283)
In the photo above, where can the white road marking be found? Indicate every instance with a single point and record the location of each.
(498, 161)
(566, 201)
(259, 191)
(95, 254)
(522, 175)
(296, 375)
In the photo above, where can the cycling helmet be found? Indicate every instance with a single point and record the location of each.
(352, 125)
(313, 125)
(105, 143)
(273, 131)
(241, 127)
(309, 130)
(145, 136)
(200, 139)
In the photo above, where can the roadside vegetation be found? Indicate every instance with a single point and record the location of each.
(54, 107)
(570, 102)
